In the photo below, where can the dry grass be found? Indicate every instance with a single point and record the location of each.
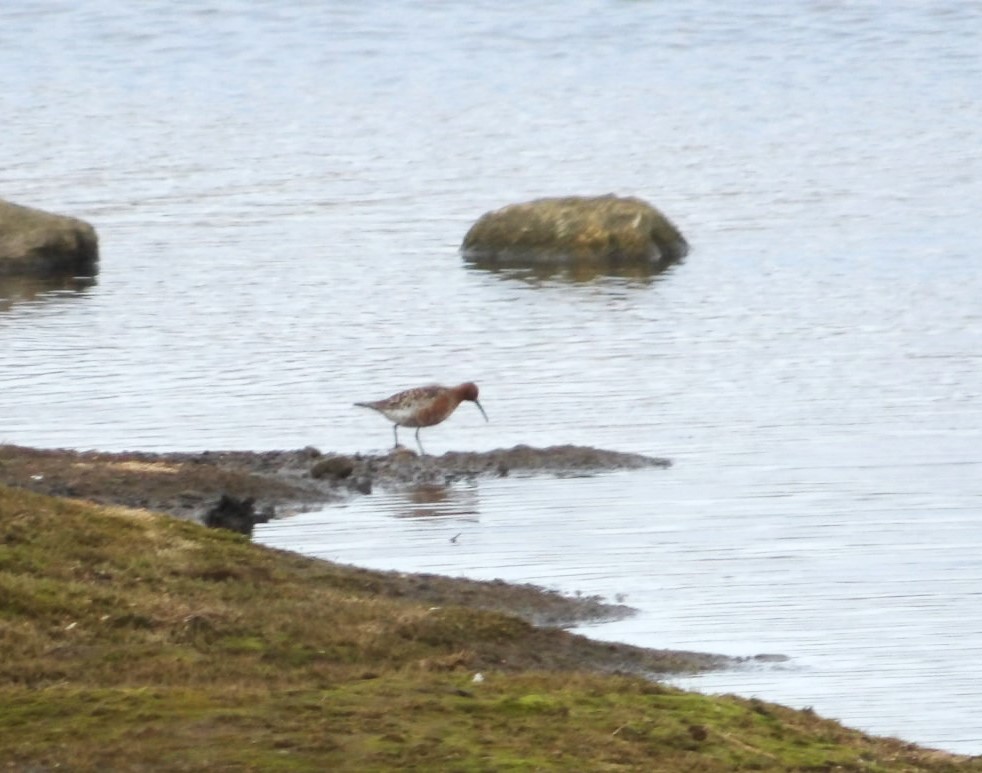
(137, 642)
(131, 466)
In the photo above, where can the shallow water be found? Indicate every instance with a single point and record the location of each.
(280, 195)
(870, 605)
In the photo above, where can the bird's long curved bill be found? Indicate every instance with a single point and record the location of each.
(481, 410)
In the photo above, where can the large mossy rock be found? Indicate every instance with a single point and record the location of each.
(575, 230)
(40, 244)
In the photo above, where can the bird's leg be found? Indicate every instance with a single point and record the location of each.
(395, 434)
(421, 451)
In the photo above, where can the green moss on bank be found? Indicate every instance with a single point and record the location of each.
(138, 642)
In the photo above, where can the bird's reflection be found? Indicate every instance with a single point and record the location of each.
(433, 500)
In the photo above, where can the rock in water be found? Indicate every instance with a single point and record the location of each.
(575, 230)
(40, 244)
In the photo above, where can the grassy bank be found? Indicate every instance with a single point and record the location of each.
(133, 641)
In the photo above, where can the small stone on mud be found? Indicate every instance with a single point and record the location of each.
(336, 467)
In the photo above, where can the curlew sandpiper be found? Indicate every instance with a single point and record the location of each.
(423, 407)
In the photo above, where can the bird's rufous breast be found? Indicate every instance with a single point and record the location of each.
(437, 408)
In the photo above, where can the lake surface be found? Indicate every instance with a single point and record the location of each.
(280, 193)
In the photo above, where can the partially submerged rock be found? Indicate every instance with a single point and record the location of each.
(575, 230)
(40, 244)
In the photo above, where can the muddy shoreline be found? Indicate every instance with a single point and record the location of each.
(280, 483)
(236, 489)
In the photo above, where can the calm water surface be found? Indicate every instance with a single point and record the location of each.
(280, 194)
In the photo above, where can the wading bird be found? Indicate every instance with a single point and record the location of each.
(423, 407)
